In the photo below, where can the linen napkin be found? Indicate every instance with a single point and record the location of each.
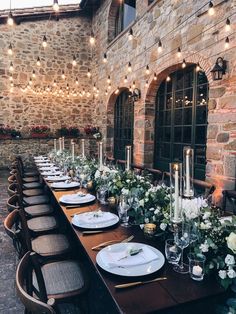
(94, 217)
(62, 185)
(77, 198)
(115, 259)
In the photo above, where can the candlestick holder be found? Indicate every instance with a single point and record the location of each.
(100, 156)
(176, 192)
(128, 158)
(188, 172)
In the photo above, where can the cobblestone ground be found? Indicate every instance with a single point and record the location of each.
(9, 302)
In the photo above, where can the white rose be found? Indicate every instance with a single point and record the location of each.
(206, 215)
(222, 274)
(231, 273)
(157, 210)
(163, 226)
(141, 202)
(146, 220)
(231, 242)
(151, 209)
(229, 260)
(125, 191)
(204, 247)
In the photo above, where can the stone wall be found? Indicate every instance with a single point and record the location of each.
(65, 38)
(202, 41)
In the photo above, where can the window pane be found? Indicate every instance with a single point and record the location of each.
(188, 97)
(165, 150)
(177, 152)
(178, 99)
(168, 101)
(178, 116)
(200, 154)
(129, 13)
(187, 133)
(178, 134)
(187, 116)
(168, 117)
(200, 137)
(188, 78)
(201, 115)
(202, 94)
(202, 79)
(169, 86)
(167, 132)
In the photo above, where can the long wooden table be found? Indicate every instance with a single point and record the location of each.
(175, 291)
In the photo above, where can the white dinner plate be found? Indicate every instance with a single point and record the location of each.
(57, 178)
(130, 271)
(78, 198)
(65, 185)
(45, 165)
(90, 221)
(51, 173)
(48, 168)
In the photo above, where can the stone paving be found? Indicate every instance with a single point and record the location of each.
(9, 302)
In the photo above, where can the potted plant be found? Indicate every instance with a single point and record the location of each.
(5, 132)
(41, 131)
(72, 131)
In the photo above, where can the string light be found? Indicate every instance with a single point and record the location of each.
(179, 52)
(98, 91)
(10, 51)
(10, 20)
(76, 81)
(147, 70)
(54, 83)
(63, 75)
(129, 67)
(30, 81)
(198, 68)
(125, 79)
(83, 92)
(130, 34)
(11, 68)
(184, 64)
(67, 86)
(159, 49)
(12, 84)
(227, 42)
(105, 58)
(211, 10)
(117, 90)
(106, 93)
(133, 84)
(130, 89)
(38, 62)
(146, 84)
(74, 61)
(155, 76)
(92, 39)
(55, 5)
(227, 25)
(33, 74)
(168, 79)
(109, 86)
(10, 78)
(44, 43)
(89, 73)
(94, 87)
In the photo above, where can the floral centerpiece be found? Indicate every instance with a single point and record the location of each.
(72, 131)
(40, 131)
(5, 132)
(90, 130)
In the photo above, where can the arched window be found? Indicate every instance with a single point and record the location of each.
(126, 13)
(123, 124)
(181, 119)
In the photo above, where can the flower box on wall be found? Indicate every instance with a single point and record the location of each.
(5, 136)
(39, 135)
(41, 131)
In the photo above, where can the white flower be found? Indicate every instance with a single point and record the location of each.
(191, 208)
(231, 242)
(157, 211)
(128, 181)
(205, 226)
(97, 174)
(204, 247)
(151, 209)
(163, 226)
(231, 273)
(146, 220)
(142, 226)
(125, 191)
(206, 215)
(222, 274)
(229, 260)
(141, 202)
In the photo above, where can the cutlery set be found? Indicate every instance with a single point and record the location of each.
(138, 283)
(104, 244)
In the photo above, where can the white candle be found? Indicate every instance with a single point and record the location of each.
(63, 143)
(176, 209)
(100, 157)
(128, 158)
(187, 172)
(60, 144)
(197, 271)
(83, 150)
(55, 144)
(73, 150)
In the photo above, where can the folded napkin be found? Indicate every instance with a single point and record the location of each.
(113, 259)
(77, 198)
(94, 217)
(48, 168)
(57, 178)
(52, 173)
(61, 185)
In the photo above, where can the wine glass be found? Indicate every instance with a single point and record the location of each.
(182, 240)
(123, 208)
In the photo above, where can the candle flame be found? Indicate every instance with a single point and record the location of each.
(176, 167)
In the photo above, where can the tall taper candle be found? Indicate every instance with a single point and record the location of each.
(63, 143)
(187, 173)
(55, 144)
(73, 150)
(100, 156)
(128, 157)
(60, 144)
(176, 208)
(83, 149)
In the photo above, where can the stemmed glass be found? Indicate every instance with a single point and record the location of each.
(124, 206)
(182, 240)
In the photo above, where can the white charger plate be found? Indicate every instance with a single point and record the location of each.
(57, 178)
(64, 185)
(134, 271)
(71, 199)
(51, 173)
(104, 224)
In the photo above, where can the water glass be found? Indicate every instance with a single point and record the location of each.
(102, 194)
(182, 240)
(172, 252)
(123, 208)
(196, 266)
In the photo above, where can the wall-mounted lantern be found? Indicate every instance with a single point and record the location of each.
(219, 69)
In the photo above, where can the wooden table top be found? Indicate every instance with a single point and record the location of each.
(177, 289)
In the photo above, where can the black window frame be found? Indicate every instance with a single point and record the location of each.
(120, 24)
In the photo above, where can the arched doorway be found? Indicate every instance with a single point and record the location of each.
(123, 124)
(181, 119)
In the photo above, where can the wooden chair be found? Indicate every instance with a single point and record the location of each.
(42, 289)
(20, 168)
(229, 195)
(26, 172)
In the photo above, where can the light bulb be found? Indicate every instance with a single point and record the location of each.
(67, 86)
(63, 75)
(129, 67)
(130, 34)
(198, 68)
(92, 40)
(10, 78)
(11, 68)
(106, 93)
(109, 86)
(147, 70)
(94, 87)
(55, 5)
(30, 81)
(10, 51)
(117, 90)
(184, 64)
(133, 84)
(48, 89)
(146, 84)
(125, 79)
(159, 49)
(74, 61)
(155, 76)
(88, 73)
(168, 79)
(54, 83)
(211, 10)
(83, 91)
(33, 74)
(44, 43)
(105, 58)
(227, 42)
(130, 89)
(38, 62)
(179, 52)
(227, 25)
(108, 79)
(88, 94)
(76, 81)
(98, 91)
(10, 20)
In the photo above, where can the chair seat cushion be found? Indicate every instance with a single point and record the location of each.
(40, 224)
(38, 210)
(62, 277)
(32, 185)
(33, 192)
(30, 179)
(69, 308)
(50, 245)
(36, 200)
(33, 173)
